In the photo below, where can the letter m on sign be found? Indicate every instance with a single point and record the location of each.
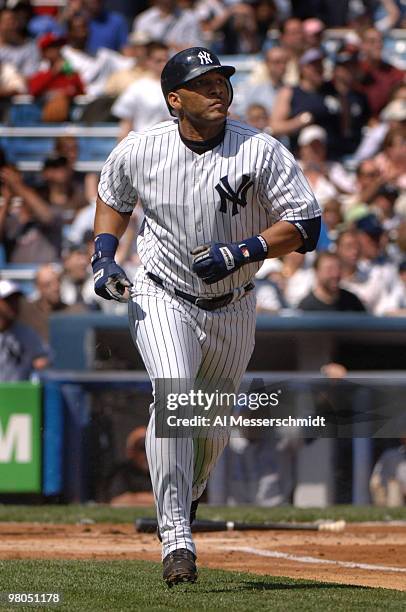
(16, 439)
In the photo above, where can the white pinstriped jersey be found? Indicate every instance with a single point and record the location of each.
(231, 192)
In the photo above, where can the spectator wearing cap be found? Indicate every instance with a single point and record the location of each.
(367, 284)
(142, 104)
(383, 204)
(376, 77)
(312, 156)
(137, 49)
(353, 106)
(312, 101)
(15, 48)
(31, 230)
(167, 22)
(36, 313)
(374, 259)
(56, 79)
(94, 69)
(21, 349)
(327, 294)
(264, 92)
(333, 105)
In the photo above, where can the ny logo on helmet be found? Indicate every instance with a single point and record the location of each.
(237, 198)
(205, 57)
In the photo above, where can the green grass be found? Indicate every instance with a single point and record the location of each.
(103, 514)
(137, 585)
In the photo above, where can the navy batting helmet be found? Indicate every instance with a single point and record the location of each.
(189, 64)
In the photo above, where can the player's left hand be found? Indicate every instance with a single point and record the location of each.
(214, 262)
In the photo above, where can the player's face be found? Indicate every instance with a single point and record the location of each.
(204, 99)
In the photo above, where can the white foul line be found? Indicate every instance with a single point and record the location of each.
(281, 555)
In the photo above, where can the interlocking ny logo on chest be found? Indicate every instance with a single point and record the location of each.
(237, 197)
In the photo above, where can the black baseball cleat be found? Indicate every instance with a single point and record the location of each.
(193, 510)
(179, 566)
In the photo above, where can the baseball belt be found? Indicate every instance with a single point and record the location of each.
(204, 303)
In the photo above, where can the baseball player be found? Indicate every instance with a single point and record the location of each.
(219, 197)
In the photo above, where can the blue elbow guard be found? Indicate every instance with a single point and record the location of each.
(309, 229)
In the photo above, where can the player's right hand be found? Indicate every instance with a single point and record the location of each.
(110, 281)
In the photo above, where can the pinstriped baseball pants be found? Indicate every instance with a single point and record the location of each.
(178, 340)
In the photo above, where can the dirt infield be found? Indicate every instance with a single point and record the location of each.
(363, 554)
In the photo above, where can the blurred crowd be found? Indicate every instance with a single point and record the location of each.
(100, 48)
(341, 111)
